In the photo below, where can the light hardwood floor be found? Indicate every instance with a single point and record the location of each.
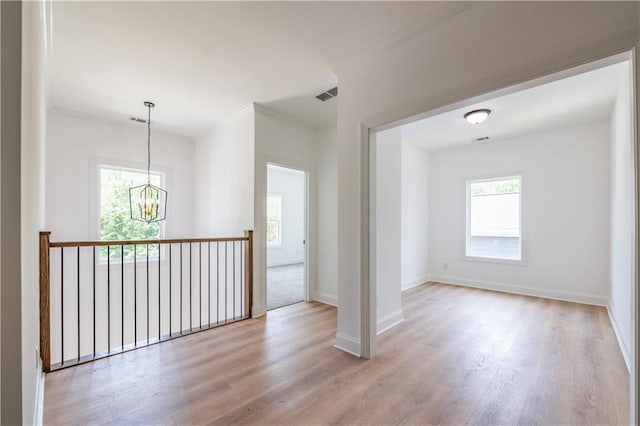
(461, 356)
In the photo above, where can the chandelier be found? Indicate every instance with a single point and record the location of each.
(148, 203)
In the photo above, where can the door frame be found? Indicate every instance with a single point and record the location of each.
(368, 128)
(307, 170)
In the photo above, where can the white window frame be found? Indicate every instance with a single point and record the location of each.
(279, 220)
(111, 166)
(467, 228)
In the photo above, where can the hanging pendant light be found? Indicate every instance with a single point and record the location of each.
(148, 203)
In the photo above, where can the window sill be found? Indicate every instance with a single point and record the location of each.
(496, 260)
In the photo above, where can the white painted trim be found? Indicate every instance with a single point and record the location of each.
(326, 298)
(588, 299)
(122, 121)
(38, 408)
(294, 120)
(624, 348)
(349, 344)
(634, 385)
(238, 115)
(368, 284)
(406, 285)
(390, 320)
(326, 125)
(258, 311)
(285, 262)
(283, 117)
(425, 23)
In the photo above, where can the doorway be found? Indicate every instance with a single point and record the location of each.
(487, 183)
(286, 235)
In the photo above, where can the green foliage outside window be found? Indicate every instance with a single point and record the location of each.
(274, 236)
(115, 215)
(507, 186)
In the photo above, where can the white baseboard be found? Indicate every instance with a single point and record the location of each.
(326, 298)
(390, 320)
(285, 263)
(258, 311)
(38, 409)
(406, 285)
(624, 348)
(349, 344)
(587, 299)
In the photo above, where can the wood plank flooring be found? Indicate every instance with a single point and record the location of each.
(462, 356)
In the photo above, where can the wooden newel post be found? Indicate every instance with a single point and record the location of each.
(45, 342)
(248, 255)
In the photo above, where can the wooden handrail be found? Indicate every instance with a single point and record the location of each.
(142, 242)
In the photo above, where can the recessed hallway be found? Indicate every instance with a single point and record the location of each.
(461, 356)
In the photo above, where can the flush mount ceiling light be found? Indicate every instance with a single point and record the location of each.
(148, 203)
(477, 116)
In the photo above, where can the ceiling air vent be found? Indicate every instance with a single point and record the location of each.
(325, 96)
(138, 120)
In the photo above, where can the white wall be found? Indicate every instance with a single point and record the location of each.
(224, 178)
(385, 221)
(290, 186)
(326, 145)
(411, 73)
(234, 193)
(415, 215)
(280, 141)
(622, 250)
(565, 213)
(32, 206)
(77, 143)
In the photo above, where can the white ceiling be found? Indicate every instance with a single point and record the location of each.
(579, 99)
(202, 62)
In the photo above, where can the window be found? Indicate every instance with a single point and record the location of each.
(494, 218)
(274, 218)
(115, 215)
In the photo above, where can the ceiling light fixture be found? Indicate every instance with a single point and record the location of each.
(477, 116)
(148, 203)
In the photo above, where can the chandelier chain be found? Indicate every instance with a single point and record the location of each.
(149, 145)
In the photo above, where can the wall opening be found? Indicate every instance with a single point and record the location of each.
(569, 140)
(286, 230)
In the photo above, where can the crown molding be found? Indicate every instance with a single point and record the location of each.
(238, 115)
(293, 120)
(427, 22)
(283, 117)
(114, 120)
(326, 125)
